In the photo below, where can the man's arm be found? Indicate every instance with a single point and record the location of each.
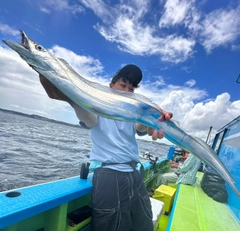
(88, 118)
(153, 132)
(188, 163)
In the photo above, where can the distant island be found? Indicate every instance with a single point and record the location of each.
(39, 118)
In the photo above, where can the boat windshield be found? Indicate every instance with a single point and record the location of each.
(238, 79)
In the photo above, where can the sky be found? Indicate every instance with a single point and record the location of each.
(188, 51)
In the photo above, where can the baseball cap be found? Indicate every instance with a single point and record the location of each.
(130, 72)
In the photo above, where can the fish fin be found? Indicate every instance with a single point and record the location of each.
(131, 95)
(69, 68)
(63, 60)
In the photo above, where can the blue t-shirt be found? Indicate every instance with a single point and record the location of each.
(113, 142)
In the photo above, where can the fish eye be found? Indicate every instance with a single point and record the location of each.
(39, 47)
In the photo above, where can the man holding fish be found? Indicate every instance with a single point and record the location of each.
(120, 200)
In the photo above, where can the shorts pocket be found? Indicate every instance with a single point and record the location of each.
(105, 219)
(105, 193)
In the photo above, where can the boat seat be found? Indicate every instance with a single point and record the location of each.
(194, 210)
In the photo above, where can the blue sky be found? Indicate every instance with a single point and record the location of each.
(188, 50)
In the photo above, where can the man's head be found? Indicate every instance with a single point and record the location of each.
(129, 74)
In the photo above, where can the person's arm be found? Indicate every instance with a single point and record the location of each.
(153, 132)
(88, 118)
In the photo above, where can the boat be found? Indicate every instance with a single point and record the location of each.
(193, 209)
(64, 205)
(49, 206)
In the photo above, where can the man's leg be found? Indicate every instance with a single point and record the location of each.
(170, 177)
(111, 200)
(141, 209)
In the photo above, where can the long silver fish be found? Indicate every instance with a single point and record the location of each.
(113, 104)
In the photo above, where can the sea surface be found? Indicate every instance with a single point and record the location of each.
(34, 151)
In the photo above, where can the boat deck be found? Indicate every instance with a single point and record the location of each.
(46, 206)
(194, 210)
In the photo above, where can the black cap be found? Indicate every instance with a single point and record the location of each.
(130, 72)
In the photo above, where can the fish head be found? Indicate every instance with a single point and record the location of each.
(33, 53)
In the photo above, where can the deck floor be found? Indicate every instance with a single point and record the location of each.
(194, 210)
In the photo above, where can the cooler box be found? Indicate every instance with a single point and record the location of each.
(157, 207)
(165, 194)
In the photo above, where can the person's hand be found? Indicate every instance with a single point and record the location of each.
(52, 91)
(174, 164)
(89, 119)
(159, 134)
(165, 115)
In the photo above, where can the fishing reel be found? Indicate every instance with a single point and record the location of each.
(149, 156)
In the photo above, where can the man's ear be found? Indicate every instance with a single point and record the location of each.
(110, 85)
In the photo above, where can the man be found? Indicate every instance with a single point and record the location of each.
(119, 199)
(182, 173)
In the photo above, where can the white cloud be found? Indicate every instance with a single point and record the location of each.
(48, 6)
(217, 28)
(7, 30)
(171, 31)
(139, 39)
(190, 83)
(125, 25)
(216, 113)
(87, 66)
(194, 118)
(100, 8)
(220, 28)
(175, 12)
(45, 10)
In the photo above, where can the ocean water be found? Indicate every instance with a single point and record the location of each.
(34, 151)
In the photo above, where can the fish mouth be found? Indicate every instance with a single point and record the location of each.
(25, 48)
(25, 43)
(25, 40)
(22, 48)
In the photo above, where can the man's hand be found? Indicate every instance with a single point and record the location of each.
(84, 116)
(174, 164)
(52, 91)
(159, 134)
